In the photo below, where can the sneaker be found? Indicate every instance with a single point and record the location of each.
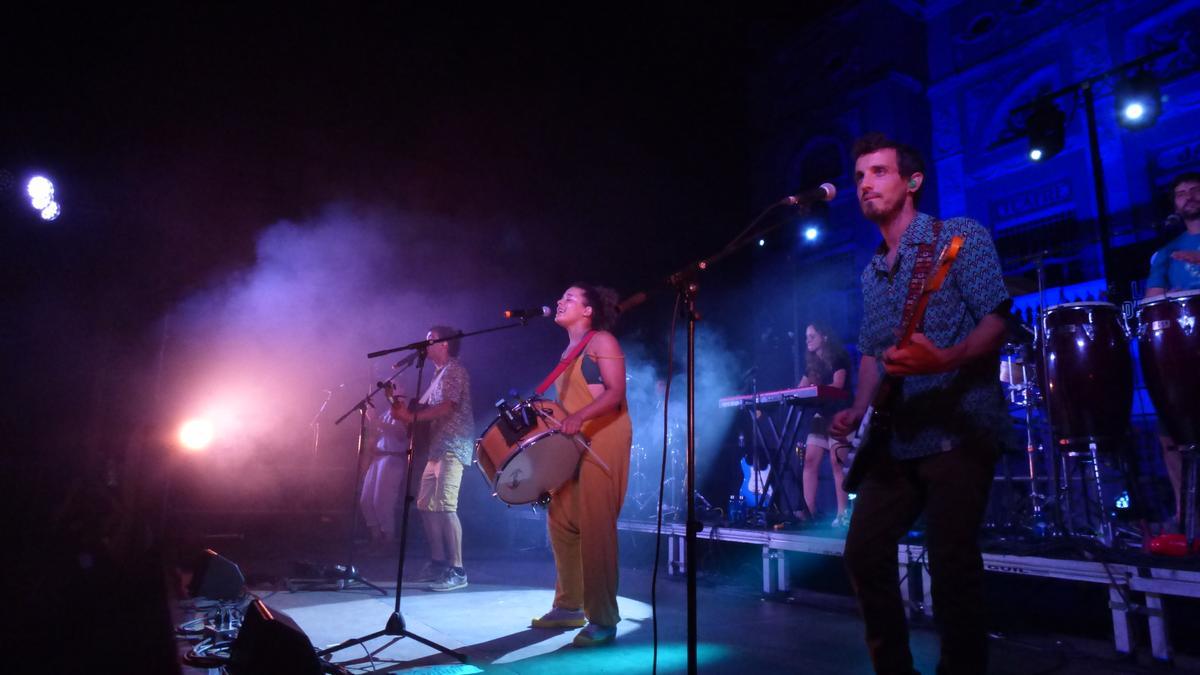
(431, 573)
(594, 635)
(841, 521)
(450, 581)
(560, 618)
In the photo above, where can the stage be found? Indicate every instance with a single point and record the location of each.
(806, 624)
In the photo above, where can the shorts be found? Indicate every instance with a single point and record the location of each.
(440, 483)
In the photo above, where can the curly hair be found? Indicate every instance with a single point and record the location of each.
(818, 365)
(604, 304)
(1185, 177)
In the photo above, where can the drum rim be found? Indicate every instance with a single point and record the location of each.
(1169, 296)
(530, 440)
(1087, 303)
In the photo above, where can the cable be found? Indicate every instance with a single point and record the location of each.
(662, 478)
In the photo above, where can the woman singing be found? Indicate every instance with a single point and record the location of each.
(583, 512)
(826, 362)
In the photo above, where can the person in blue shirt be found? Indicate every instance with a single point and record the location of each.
(1176, 267)
(941, 449)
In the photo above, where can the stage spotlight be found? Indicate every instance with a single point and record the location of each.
(762, 242)
(196, 434)
(1138, 101)
(1046, 129)
(51, 211)
(811, 233)
(40, 191)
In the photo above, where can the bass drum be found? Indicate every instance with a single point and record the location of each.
(1089, 373)
(522, 456)
(1169, 351)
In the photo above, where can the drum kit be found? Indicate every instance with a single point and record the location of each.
(1080, 367)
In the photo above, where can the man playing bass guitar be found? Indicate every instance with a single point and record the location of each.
(946, 411)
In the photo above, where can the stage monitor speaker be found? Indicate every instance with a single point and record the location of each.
(216, 577)
(270, 643)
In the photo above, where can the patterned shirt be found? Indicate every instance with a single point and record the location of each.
(935, 412)
(1171, 274)
(451, 434)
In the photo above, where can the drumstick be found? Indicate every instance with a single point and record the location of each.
(578, 439)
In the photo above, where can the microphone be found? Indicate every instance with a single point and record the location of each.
(528, 313)
(824, 193)
(406, 361)
(1173, 220)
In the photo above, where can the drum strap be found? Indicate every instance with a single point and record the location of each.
(916, 284)
(565, 363)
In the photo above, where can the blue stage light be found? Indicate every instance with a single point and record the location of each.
(1046, 128)
(1137, 100)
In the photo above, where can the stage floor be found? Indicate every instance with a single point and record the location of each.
(739, 630)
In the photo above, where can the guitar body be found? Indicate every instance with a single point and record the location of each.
(420, 431)
(875, 430)
(756, 488)
(872, 441)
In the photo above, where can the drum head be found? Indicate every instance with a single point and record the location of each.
(539, 465)
(1167, 297)
(1081, 305)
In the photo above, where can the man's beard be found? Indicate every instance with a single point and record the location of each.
(874, 211)
(1190, 211)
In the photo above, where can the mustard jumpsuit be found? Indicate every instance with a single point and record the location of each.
(583, 512)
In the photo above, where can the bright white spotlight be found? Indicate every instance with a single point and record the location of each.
(196, 434)
(51, 211)
(811, 233)
(1134, 111)
(40, 191)
(762, 242)
(1035, 154)
(1138, 100)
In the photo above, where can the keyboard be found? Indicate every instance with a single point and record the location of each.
(814, 394)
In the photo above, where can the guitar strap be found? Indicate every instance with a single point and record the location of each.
(925, 256)
(567, 361)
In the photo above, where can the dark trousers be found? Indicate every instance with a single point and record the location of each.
(951, 488)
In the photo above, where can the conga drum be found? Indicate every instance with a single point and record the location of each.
(1089, 373)
(1169, 350)
(523, 456)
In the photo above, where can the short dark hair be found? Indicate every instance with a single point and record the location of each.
(908, 158)
(454, 345)
(604, 304)
(1185, 177)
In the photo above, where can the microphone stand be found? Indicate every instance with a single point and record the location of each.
(396, 626)
(348, 574)
(685, 285)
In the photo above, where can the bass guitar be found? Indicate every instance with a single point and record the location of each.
(875, 429)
